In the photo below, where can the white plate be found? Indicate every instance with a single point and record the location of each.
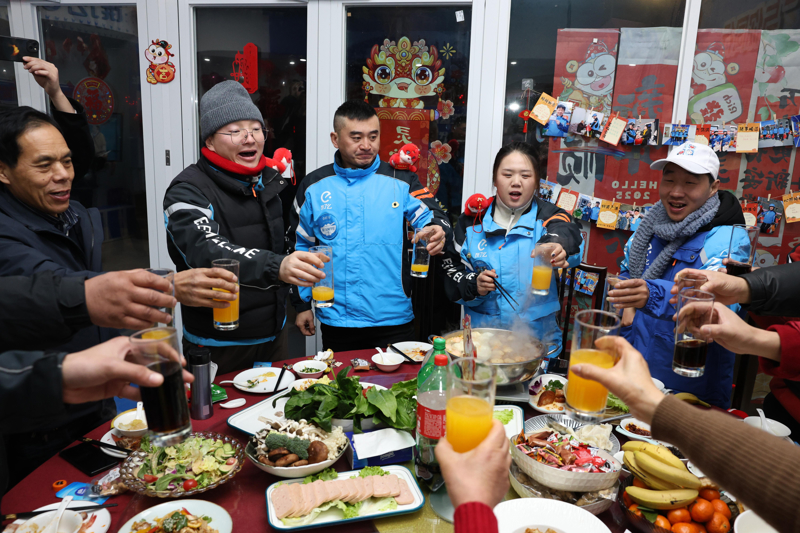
(408, 346)
(624, 422)
(266, 386)
(334, 516)
(658, 383)
(101, 523)
(220, 519)
(514, 426)
(547, 378)
(247, 421)
(515, 516)
(108, 439)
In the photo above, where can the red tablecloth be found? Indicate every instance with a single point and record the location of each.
(244, 496)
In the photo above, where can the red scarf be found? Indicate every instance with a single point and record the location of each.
(231, 166)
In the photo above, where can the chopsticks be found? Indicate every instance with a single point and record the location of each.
(30, 514)
(398, 350)
(503, 292)
(280, 377)
(105, 445)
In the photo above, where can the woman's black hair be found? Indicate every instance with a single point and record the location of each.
(13, 124)
(525, 149)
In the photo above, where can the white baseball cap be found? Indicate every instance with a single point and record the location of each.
(692, 157)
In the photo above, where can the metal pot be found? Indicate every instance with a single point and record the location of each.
(510, 373)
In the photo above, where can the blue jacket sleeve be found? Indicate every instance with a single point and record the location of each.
(301, 235)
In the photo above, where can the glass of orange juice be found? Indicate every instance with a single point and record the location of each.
(227, 319)
(542, 268)
(471, 389)
(586, 399)
(322, 291)
(421, 259)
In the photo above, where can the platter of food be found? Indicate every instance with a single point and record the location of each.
(638, 430)
(201, 462)
(547, 394)
(93, 522)
(293, 449)
(512, 418)
(415, 350)
(538, 515)
(554, 454)
(262, 380)
(333, 498)
(114, 437)
(185, 516)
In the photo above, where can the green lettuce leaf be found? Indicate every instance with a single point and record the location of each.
(615, 403)
(328, 474)
(373, 471)
(505, 416)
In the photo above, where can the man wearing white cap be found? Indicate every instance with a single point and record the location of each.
(689, 227)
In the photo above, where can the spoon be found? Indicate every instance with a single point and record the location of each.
(139, 411)
(764, 424)
(380, 352)
(238, 402)
(52, 527)
(234, 382)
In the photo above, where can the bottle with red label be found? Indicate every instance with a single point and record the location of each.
(431, 408)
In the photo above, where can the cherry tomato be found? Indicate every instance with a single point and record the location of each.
(231, 461)
(150, 479)
(364, 392)
(189, 484)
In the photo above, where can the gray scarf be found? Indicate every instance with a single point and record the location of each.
(658, 223)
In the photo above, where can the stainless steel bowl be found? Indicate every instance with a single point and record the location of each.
(511, 373)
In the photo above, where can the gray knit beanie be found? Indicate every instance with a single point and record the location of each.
(226, 102)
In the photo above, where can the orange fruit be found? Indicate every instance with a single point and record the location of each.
(718, 524)
(700, 528)
(702, 510)
(635, 509)
(661, 521)
(678, 516)
(721, 507)
(683, 527)
(639, 483)
(626, 499)
(709, 494)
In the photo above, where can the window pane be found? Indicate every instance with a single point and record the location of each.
(412, 65)
(96, 51)
(613, 56)
(277, 76)
(8, 83)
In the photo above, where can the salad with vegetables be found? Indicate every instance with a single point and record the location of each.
(195, 463)
(176, 522)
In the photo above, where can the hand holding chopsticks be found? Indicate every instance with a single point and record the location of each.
(502, 290)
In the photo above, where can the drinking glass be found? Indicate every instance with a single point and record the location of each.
(690, 280)
(542, 269)
(471, 387)
(742, 249)
(421, 259)
(611, 283)
(168, 275)
(165, 406)
(227, 319)
(586, 399)
(322, 292)
(695, 310)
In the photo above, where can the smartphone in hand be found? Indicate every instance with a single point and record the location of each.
(15, 48)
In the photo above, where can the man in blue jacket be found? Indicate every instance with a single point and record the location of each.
(769, 219)
(359, 206)
(689, 227)
(558, 125)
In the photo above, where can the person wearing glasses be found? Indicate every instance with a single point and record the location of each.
(226, 206)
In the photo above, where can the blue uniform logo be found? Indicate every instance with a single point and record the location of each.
(328, 225)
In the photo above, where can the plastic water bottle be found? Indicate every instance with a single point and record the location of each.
(425, 370)
(431, 408)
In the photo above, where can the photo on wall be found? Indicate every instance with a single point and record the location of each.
(723, 138)
(775, 133)
(595, 123)
(676, 134)
(548, 191)
(625, 217)
(794, 122)
(770, 215)
(584, 209)
(579, 124)
(558, 123)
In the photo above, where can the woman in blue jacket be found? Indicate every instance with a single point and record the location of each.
(690, 227)
(498, 244)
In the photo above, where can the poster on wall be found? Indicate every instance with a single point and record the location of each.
(586, 64)
(777, 76)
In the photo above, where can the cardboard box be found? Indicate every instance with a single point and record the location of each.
(391, 458)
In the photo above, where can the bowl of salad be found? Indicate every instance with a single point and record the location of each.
(202, 462)
(310, 369)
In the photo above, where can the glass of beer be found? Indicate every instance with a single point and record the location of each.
(742, 249)
(586, 399)
(168, 275)
(611, 283)
(471, 388)
(165, 406)
(322, 292)
(227, 319)
(695, 310)
(542, 269)
(421, 259)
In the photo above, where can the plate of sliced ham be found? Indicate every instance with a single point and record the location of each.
(295, 504)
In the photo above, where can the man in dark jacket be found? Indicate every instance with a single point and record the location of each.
(226, 206)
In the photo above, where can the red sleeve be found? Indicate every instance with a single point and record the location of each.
(475, 517)
(789, 367)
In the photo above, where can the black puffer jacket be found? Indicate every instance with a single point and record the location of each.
(210, 214)
(775, 290)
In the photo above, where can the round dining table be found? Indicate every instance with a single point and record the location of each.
(244, 496)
